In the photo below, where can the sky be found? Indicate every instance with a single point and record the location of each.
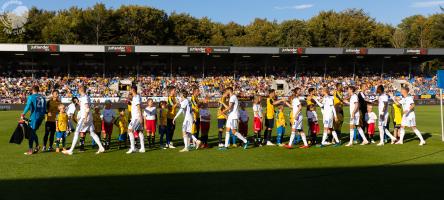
(244, 11)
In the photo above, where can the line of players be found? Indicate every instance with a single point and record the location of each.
(229, 114)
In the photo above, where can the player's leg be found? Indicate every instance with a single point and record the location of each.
(131, 139)
(235, 127)
(96, 139)
(52, 130)
(352, 134)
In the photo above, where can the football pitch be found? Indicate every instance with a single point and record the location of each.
(363, 172)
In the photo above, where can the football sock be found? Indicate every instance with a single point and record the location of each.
(132, 140)
(387, 132)
(361, 133)
(227, 139)
(96, 139)
(335, 136)
(74, 141)
(153, 139)
(352, 135)
(142, 140)
(418, 134)
(241, 137)
(278, 138)
(401, 134)
(304, 139)
(186, 140)
(293, 134)
(220, 136)
(57, 143)
(324, 137)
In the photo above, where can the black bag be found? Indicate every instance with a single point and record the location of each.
(21, 131)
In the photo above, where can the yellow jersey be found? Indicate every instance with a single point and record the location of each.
(195, 106)
(270, 109)
(397, 112)
(62, 122)
(337, 98)
(220, 114)
(53, 108)
(163, 115)
(291, 116)
(122, 123)
(171, 108)
(310, 101)
(280, 119)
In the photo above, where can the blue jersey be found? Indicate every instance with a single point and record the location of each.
(37, 105)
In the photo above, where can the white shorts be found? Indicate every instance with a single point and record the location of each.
(328, 122)
(298, 123)
(233, 124)
(408, 121)
(83, 127)
(383, 121)
(187, 126)
(135, 125)
(355, 120)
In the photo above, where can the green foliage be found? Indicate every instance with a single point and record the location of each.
(143, 25)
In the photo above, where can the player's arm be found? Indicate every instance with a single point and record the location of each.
(288, 104)
(230, 105)
(181, 110)
(393, 98)
(334, 112)
(319, 103)
(355, 110)
(27, 107)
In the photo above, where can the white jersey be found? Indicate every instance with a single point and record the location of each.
(383, 101)
(149, 113)
(328, 107)
(370, 118)
(354, 103)
(243, 115)
(234, 112)
(257, 110)
(108, 115)
(406, 102)
(204, 113)
(295, 103)
(185, 105)
(71, 110)
(135, 103)
(85, 102)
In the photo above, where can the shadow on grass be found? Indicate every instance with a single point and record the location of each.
(396, 181)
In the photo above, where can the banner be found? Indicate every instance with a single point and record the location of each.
(415, 51)
(440, 77)
(298, 51)
(355, 51)
(120, 48)
(43, 47)
(208, 50)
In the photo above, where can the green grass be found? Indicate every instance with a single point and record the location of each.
(257, 173)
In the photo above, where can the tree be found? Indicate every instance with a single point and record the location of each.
(97, 25)
(141, 25)
(184, 29)
(294, 33)
(437, 32)
(417, 29)
(63, 28)
(260, 33)
(398, 39)
(37, 19)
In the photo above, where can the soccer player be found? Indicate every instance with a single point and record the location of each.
(338, 98)
(269, 118)
(172, 106)
(70, 111)
(297, 125)
(163, 112)
(408, 117)
(135, 126)
(257, 121)
(363, 101)
(85, 122)
(383, 115)
(108, 117)
(328, 115)
(313, 123)
(195, 106)
(221, 117)
(354, 116)
(36, 103)
(233, 118)
(187, 126)
(150, 113)
(61, 128)
(50, 125)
